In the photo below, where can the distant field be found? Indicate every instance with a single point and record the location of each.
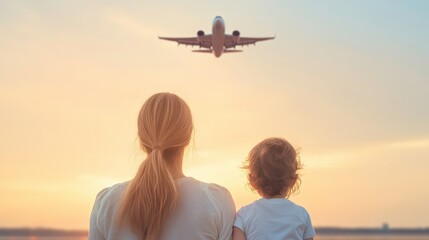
(373, 237)
(323, 233)
(384, 237)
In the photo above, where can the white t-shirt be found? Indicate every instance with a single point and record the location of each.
(204, 211)
(274, 219)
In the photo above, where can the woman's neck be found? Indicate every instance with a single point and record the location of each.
(178, 173)
(176, 167)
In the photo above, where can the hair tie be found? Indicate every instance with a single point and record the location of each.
(157, 147)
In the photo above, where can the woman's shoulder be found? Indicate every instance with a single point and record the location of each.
(110, 195)
(218, 190)
(102, 214)
(220, 205)
(218, 196)
(207, 188)
(215, 190)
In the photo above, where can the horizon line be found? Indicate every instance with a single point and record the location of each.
(383, 230)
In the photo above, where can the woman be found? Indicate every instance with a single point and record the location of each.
(160, 202)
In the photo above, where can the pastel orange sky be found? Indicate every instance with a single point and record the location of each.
(346, 82)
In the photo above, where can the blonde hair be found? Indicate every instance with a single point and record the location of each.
(273, 168)
(164, 130)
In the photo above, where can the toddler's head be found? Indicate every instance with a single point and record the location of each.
(273, 168)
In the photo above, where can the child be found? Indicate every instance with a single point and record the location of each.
(273, 172)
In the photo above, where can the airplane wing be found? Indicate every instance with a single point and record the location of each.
(204, 41)
(230, 41)
(203, 51)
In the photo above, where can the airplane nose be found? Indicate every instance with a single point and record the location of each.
(217, 22)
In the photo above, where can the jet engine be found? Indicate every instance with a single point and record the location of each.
(200, 35)
(236, 35)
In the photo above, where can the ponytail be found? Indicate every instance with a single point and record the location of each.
(150, 197)
(165, 127)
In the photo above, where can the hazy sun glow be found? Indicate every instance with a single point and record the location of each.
(347, 82)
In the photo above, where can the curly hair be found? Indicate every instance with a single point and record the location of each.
(274, 166)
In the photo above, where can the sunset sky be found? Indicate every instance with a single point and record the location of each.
(345, 81)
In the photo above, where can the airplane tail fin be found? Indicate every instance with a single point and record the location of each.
(231, 51)
(203, 51)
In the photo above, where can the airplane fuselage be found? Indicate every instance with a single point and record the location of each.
(218, 36)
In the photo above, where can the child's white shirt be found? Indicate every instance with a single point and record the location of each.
(276, 218)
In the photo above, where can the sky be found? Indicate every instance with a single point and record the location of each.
(346, 82)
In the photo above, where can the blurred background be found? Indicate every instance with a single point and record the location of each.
(344, 81)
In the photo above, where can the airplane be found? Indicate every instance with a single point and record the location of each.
(218, 42)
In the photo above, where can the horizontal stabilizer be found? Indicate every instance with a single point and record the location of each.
(202, 51)
(231, 51)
